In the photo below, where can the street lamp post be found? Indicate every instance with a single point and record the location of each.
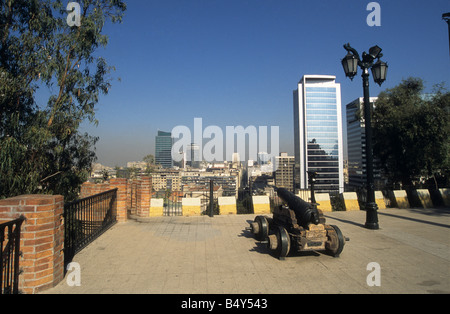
(446, 17)
(312, 180)
(351, 62)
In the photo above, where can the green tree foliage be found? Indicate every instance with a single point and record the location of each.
(150, 164)
(412, 132)
(41, 148)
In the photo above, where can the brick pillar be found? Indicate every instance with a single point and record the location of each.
(144, 196)
(129, 189)
(42, 239)
(133, 196)
(121, 201)
(137, 183)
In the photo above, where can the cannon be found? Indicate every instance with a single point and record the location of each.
(297, 226)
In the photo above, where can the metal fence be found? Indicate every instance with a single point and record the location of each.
(10, 256)
(85, 220)
(209, 204)
(173, 207)
(172, 202)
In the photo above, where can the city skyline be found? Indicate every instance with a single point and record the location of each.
(236, 63)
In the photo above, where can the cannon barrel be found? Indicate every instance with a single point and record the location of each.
(305, 212)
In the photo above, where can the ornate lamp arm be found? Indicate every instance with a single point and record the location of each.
(352, 50)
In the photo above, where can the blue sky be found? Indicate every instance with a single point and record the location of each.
(236, 62)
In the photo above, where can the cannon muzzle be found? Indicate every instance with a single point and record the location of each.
(306, 213)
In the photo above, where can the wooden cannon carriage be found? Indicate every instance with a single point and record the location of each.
(297, 226)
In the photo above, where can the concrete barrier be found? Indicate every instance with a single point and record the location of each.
(227, 205)
(401, 199)
(425, 198)
(445, 194)
(156, 207)
(350, 201)
(323, 199)
(379, 200)
(261, 205)
(191, 206)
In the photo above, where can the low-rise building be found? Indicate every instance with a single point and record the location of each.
(284, 173)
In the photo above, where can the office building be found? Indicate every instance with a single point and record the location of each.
(163, 149)
(356, 145)
(318, 139)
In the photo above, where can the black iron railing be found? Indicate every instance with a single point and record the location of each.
(85, 220)
(172, 202)
(10, 256)
(172, 208)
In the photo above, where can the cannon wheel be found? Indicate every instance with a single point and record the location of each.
(263, 232)
(283, 241)
(336, 241)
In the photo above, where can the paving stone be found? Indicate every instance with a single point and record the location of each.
(204, 255)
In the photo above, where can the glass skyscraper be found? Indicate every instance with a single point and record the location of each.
(163, 149)
(318, 133)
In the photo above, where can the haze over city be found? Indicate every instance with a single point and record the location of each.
(237, 63)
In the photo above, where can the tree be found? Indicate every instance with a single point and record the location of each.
(41, 148)
(412, 132)
(150, 164)
(134, 172)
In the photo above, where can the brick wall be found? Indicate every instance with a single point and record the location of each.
(42, 239)
(133, 195)
(89, 189)
(42, 234)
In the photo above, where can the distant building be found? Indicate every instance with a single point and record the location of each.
(236, 158)
(263, 158)
(356, 143)
(197, 180)
(162, 181)
(142, 165)
(193, 153)
(228, 183)
(318, 139)
(163, 149)
(284, 174)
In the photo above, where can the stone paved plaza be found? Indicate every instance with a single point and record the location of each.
(203, 255)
